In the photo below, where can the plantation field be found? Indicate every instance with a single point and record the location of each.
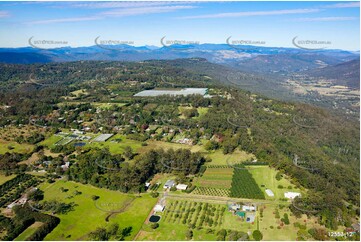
(179, 215)
(211, 191)
(244, 185)
(88, 215)
(265, 176)
(194, 213)
(12, 146)
(216, 177)
(29, 231)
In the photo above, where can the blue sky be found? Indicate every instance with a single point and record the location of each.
(145, 23)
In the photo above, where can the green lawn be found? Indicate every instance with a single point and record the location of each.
(265, 175)
(51, 141)
(88, 215)
(218, 158)
(29, 231)
(117, 147)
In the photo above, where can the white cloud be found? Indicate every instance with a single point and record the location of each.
(97, 5)
(64, 20)
(4, 14)
(253, 13)
(326, 19)
(143, 10)
(117, 12)
(344, 5)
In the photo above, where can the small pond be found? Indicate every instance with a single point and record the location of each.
(154, 218)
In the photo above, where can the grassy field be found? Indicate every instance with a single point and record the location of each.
(172, 232)
(180, 213)
(216, 177)
(4, 178)
(116, 147)
(88, 215)
(265, 176)
(280, 231)
(218, 158)
(12, 146)
(50, 141)
(29, 231)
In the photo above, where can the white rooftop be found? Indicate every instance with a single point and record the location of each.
(270, 193)
(184, 92)
(292, 195)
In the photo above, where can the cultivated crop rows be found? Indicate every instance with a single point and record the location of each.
(211, 191)
(244, 185)
(194, 214)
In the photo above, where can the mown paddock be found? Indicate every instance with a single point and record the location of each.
(86, 217)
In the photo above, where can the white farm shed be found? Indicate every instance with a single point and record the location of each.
(158, 208)
(292, 195)
(269, 193)
(181, 187)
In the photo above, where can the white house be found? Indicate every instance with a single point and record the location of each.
(292, 195)
(159, 208)
(269, 193)
(181, 187)
(248, 208)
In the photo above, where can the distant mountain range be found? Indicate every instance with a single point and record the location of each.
(244, 56)
(347, 73)
(271, 63)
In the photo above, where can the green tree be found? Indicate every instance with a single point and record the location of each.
(257, 235)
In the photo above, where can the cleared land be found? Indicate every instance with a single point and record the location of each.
(86, 216)
(265, 177)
